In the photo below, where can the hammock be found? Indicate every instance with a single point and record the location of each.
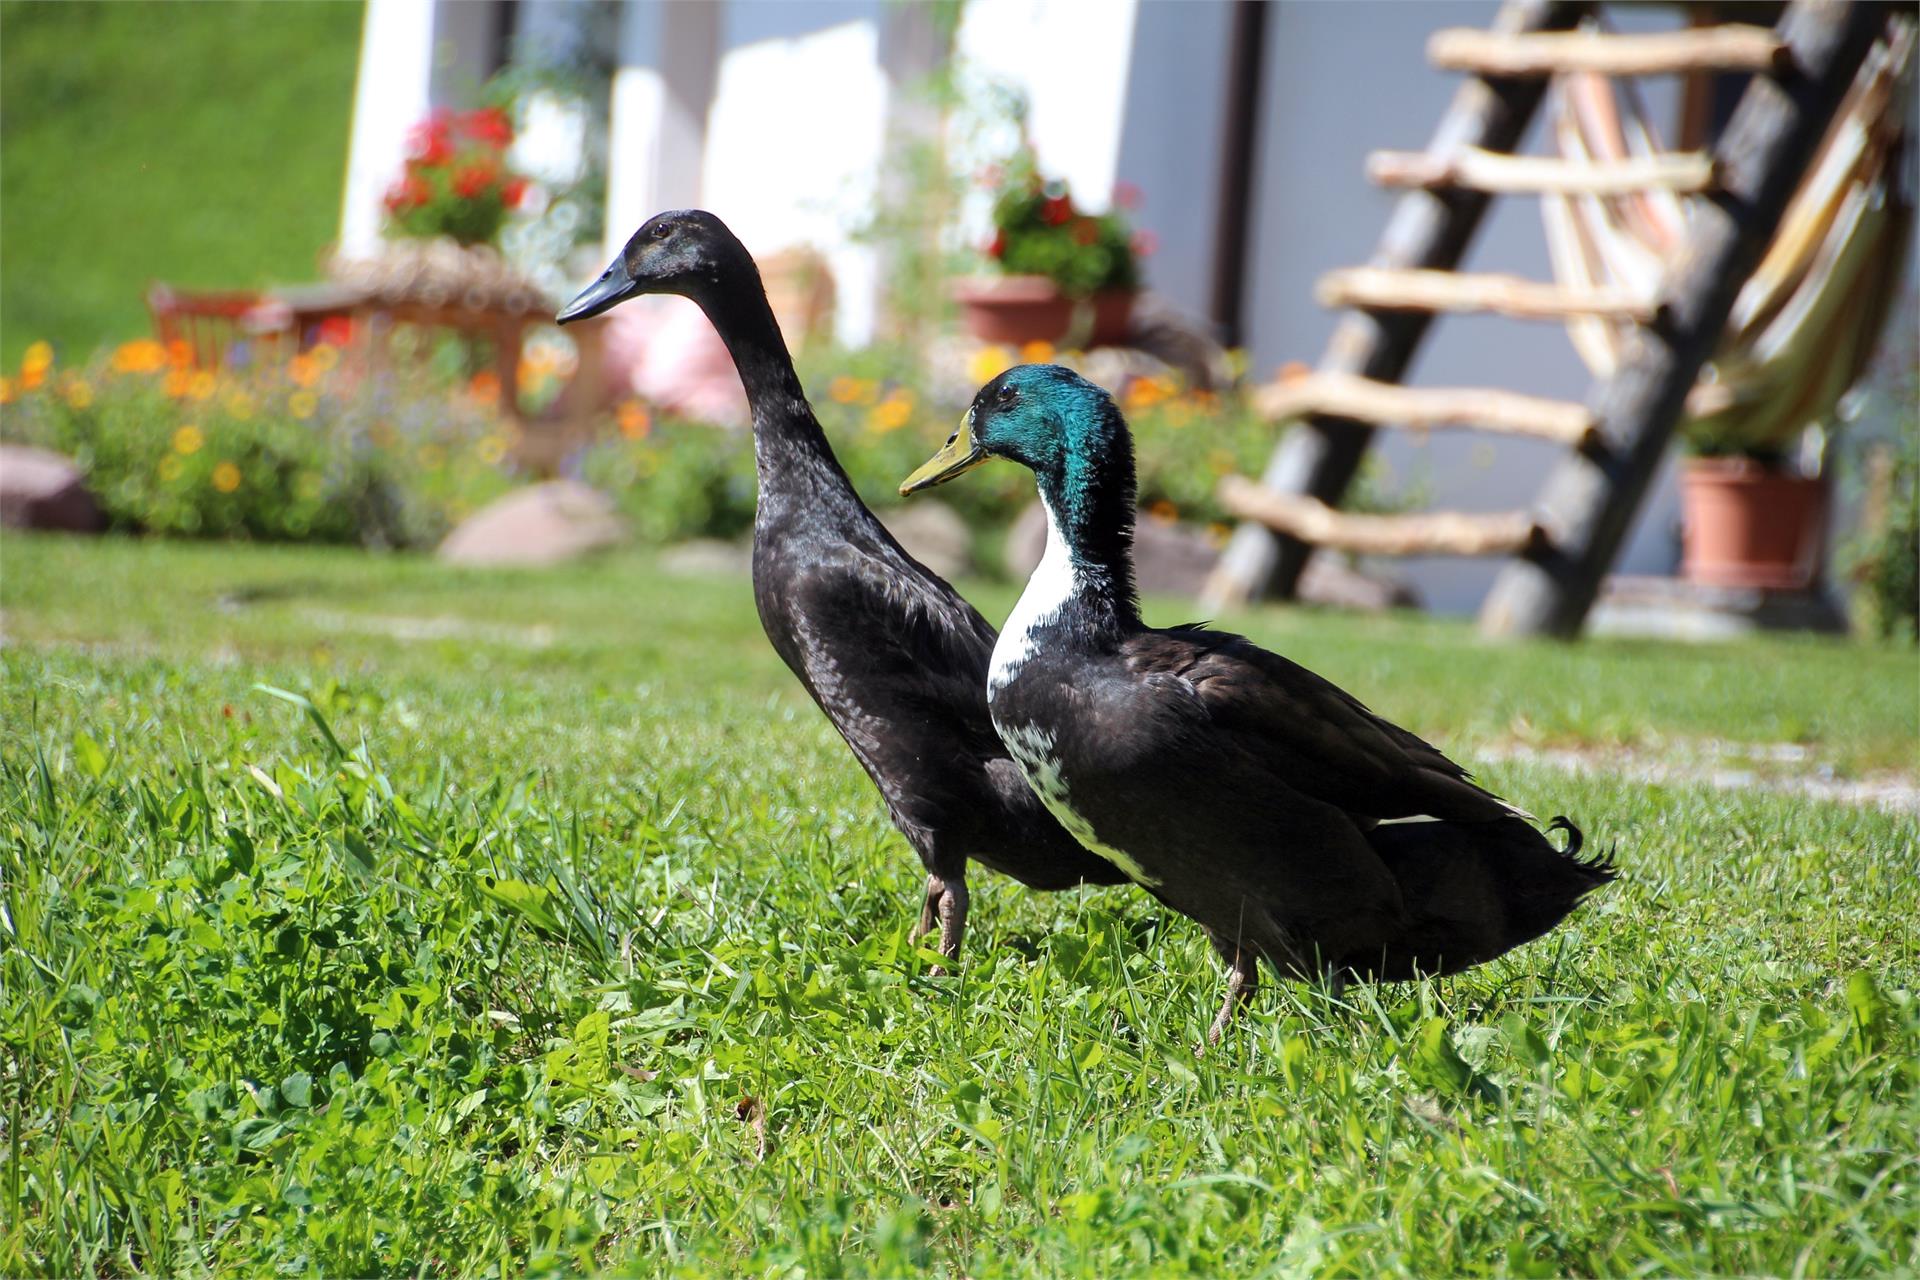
(1803, 327)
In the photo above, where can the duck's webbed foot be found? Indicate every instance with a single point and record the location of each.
(1243, 979)
(946, 903)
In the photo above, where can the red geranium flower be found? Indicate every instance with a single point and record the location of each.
(336, 331)
(1145, 243)
(1126, 195)
(410, 192)
(427, 141)
(513, 192)
(1056, 210)
(471, 180)
(997, 247)
(489, 124)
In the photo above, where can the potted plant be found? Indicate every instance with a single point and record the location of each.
(456, 183)
(1750, 520)
(1065, 276)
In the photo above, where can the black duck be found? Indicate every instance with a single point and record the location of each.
(1236, 786)
(891, 653)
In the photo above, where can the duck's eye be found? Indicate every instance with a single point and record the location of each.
(1008, 395)
(662, 231)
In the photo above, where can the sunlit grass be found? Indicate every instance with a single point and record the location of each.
(560, 933)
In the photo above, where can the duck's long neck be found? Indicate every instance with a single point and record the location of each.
(786, 435)
(1085, 578)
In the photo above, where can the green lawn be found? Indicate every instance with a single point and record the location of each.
(140, 140)
(562, 934)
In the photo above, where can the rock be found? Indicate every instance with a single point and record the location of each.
(707, 558)
(934, 534)
(1330, 580)
(1173, 559)
(40, 489)
(542, 524)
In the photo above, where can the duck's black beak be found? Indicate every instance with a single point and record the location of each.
(613, 286)
(960, 454)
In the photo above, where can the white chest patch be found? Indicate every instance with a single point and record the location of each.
(1047, 593)
(1032, 749)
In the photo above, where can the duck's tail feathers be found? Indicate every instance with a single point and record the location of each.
(1598, 865)
(1475, 890)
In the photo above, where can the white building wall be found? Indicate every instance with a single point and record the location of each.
(657, 112)
(795, 137)
(389, 96)
(1173, 129)
(1071, 58)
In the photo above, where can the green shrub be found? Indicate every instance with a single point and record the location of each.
(1885, 561)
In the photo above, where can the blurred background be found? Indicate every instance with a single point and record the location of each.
(282, 271)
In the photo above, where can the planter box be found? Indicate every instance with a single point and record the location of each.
(1020, 309)
(1749, 525)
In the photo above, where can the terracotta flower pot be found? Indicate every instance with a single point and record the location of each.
(1022, 309)
(1746, 524)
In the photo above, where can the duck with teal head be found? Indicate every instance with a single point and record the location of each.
(1236, 786)
(890, 652)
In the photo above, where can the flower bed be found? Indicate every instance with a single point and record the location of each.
(304, 449)
(271, 450)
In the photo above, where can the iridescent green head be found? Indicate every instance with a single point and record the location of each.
(1071, 435)
(1046, 418)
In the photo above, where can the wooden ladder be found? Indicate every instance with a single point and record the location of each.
(1561, 549)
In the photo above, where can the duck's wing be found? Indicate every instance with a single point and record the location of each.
(1309, 733)
(879, 639)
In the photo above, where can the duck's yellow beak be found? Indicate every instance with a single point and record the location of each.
(959, 454)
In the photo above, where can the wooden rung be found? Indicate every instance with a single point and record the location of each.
(1403, 289)
(1446, 533)
(1386, 404)
(1689, 172)
(1730, 47)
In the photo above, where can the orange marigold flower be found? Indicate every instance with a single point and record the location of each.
(38, 357)
(891, 414)
(179, 382)
(1162, 510)
(1039, 351)
(304, 370)
(988, 363)
(180, 353)
(188, 439)
(226, 477)
(1144, 393)
(142, 355)
(843, 390)
(485, 386)
(31, 378)
(634, 420)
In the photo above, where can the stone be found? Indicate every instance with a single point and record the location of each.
(1329, 580)
(542, 524)
(1172, 559)
(934, 534)
(40, 489)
